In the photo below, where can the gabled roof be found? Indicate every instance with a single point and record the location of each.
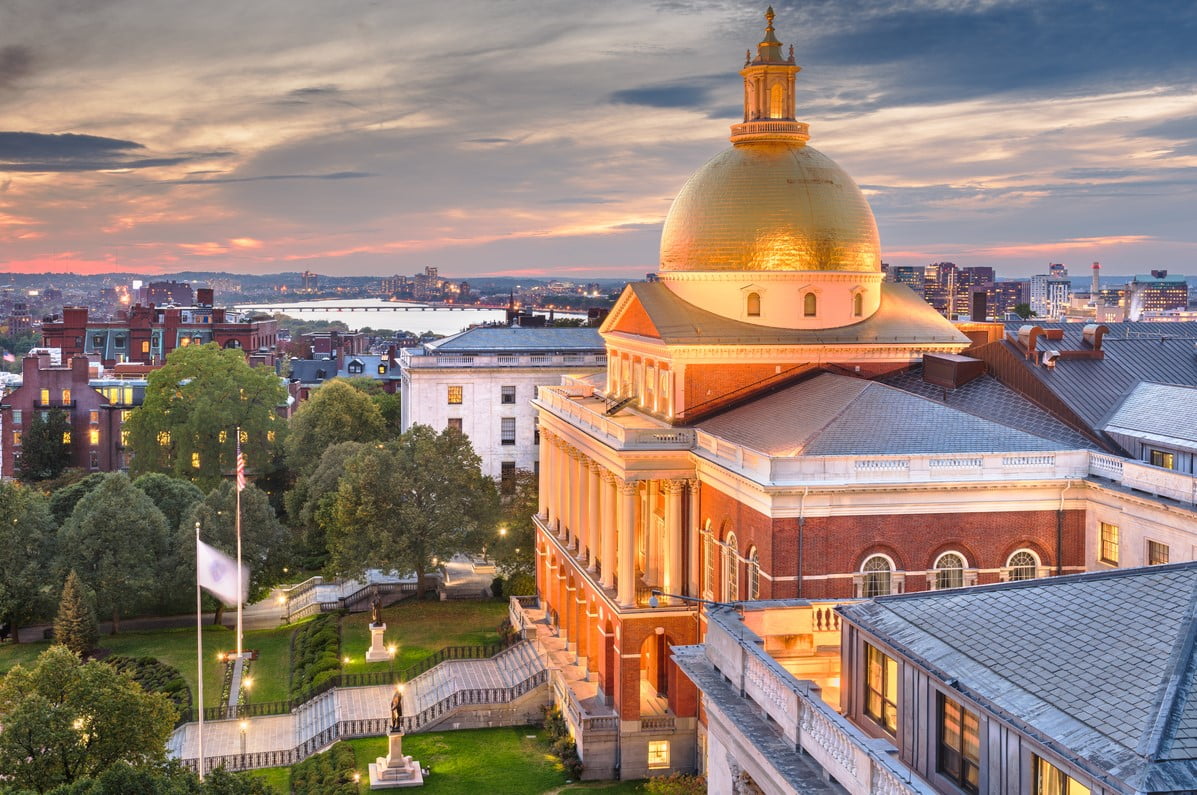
(903, 318)
(1161, 412)
(502, 339)
(842, 415)
(1099, 666)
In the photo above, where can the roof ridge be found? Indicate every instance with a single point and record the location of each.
(847, 404)
(1172, 694)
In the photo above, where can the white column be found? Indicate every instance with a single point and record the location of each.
(571, 488)
(627, 543)
(582, 500)
(673, 537)
(694, 531)
(593, 519)
(652, 538)
(542, 482)
(609, 530)
(562, 476)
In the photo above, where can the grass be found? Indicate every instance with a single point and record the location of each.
(277, 777)
(607, 788)
(419, 629)
(271, 670)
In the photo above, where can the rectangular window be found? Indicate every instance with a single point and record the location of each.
(93, 417)
(658, 754)
(536, 430)
(881, 688)
(66, 437)
(507, 395)
(1051, 780)
(959, 745)
(708, 584)
(127, 395)
(66, 397)
(44, 397)
(94, 460)
(1109, 543)
(382, 369)
(507, 430)
(145, 346)
(1159, 458)
(195, 461)
(1157, 553)
(16, 438)
(455, 395)
(124, 438)
(455, 424)
(16, 416)
(93, 436)
(507, 477)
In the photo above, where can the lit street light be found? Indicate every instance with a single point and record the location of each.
(244, 726)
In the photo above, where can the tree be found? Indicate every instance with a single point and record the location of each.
(65, 720)
(514, 551)
(115, 539)
(63, 501)
(169, 779)
(193, 404)
(336, 412)
(75, 625)
(1024, 311)
(27, 545)
(310, 502)
(263, 538)
(45, 453)
(388, 403)
(402, 503)
(173, 496)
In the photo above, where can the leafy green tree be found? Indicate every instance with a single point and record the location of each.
(63, 501)
(264, 541)
(310, 502)
(169, 779)
(405, 502)
(514, 550)
(26, 551)
(44, 453)
(65, 720)
(115, 539)
(1024, 311)
(173, 496)
(75, 625)
(193, 404)
(336, 412)
(388, 403)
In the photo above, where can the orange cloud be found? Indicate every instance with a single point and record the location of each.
(209, 249)
(1070, 244)
(244, 242)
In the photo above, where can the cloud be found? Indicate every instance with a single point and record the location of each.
(690, 93)
(16, 62)
(65, 152)
(335, 175)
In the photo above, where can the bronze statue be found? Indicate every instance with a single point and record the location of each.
(397, 712)
(376, 611)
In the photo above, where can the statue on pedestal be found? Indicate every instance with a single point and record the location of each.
(397, 712)
(376, 611)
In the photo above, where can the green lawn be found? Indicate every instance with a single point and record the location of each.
(421, 628)
(277, 777)
(271, 670)
(607, 788)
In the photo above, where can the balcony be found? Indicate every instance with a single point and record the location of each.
(410, 360)
(583, 407)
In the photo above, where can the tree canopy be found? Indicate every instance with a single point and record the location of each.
(193, 404)
(63, 501)
(75, 625)
(388, 403)
(514, 551)
(173, 496)
(27, 542)
(336, 412)
(115, 539)
(45, 451)
(66, 720)
(402, 503)
(310, 502)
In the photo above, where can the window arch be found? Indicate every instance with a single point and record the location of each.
(712, 550)
(754, 305)
(949, 571)
(810, 305)
(858, 305)
(878, 576)
(731, 570)
(754, 574)
(1023, 565)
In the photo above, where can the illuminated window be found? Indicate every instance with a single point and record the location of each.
(754, 305)
(124, 438)
(195, 460)
(93, 436)
(1159, 458)
(145, 346)
(1051, 780)
(754, 574)
(507, 430)
(881, 688)
(184, 342)
(877, 577)
(507, 395)
(127, 395)
(658, 754)
(857, 305)
(382, 369)
(1109, 543)
(731, 570)
(164, 438)
(949, 571)
(66, 396)
(712, 550)
(93, 417)
(16, 437)
(44, 397)
(270, 436)
(1157, 553)
(223, 436)
(776, 102)
(125, 416)
(66, 437)
(959, 745)
(1023, 565)
(455, 394)
(809, 305)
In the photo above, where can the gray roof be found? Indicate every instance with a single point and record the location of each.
(988, 398)
(1099, 666)
(1158, 411)
(314, 371)
(842, 415)
(902, 318)
(501, 339)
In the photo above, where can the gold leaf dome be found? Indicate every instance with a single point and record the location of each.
(770, 205)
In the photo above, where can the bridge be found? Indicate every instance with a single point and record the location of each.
(289, 309)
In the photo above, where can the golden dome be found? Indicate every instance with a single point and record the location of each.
(770, 206)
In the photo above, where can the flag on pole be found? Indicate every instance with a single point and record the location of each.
(240, 468)
(9, 356)
(217, 574)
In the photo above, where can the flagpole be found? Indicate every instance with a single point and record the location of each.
(240, 585)
(199, 655)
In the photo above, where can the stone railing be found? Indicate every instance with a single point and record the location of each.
(1144, 477)
(517, 607)
(409, 360)
(564, 402)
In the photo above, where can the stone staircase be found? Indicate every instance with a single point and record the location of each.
(506, 669)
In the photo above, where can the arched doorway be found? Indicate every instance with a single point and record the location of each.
(654, 673)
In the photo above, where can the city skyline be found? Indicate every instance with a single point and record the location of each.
(532, 139)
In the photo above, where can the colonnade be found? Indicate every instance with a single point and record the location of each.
(606, 521)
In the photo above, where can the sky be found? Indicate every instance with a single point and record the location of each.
(548, 137)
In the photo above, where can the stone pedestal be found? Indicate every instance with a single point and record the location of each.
(378, 652)
(395, 770)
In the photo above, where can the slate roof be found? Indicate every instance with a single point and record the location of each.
(500, 339)
(902, 318)
(841, 415)
(1099, 666)
(307, 371)
(988, 398)
(1158, 411)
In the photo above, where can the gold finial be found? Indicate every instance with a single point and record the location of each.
(769, 15)
(791, 53)
(769, 50)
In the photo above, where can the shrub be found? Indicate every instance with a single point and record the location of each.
(329, 773)
(496, 587)
(155, 676)
(315, 653)
(521, 585)
(676, 784)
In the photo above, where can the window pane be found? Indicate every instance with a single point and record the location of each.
(455, 395)
(507, 430)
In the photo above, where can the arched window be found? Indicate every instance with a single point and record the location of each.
(731, 570)
(858, 305)
(754, 574)
(712, 550)
(877, 576)
(777, 102)
(754, 304)
(1023, 565)
(949, 571)
(809, 305)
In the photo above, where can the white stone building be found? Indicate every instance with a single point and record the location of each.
(482, 381)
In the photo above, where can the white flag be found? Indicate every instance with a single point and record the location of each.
(217, 574)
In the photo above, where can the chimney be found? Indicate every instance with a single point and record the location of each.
(204, 296)
(1095, 287)
(80, 365)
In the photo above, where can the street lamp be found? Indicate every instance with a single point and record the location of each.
(244, 726)
(391, 650)
(285, 603)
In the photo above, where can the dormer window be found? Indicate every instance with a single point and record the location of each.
(356, 367)
(810, 305)
(753, 308)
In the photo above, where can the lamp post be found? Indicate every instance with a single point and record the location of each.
(244, 726)
(285, 603)
(391, 650)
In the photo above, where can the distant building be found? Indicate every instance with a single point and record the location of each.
(164, 293)
(1156, 292)
(1004, 296)
(310, 282)
(19, 320)
(909, 275)
(308, 374)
